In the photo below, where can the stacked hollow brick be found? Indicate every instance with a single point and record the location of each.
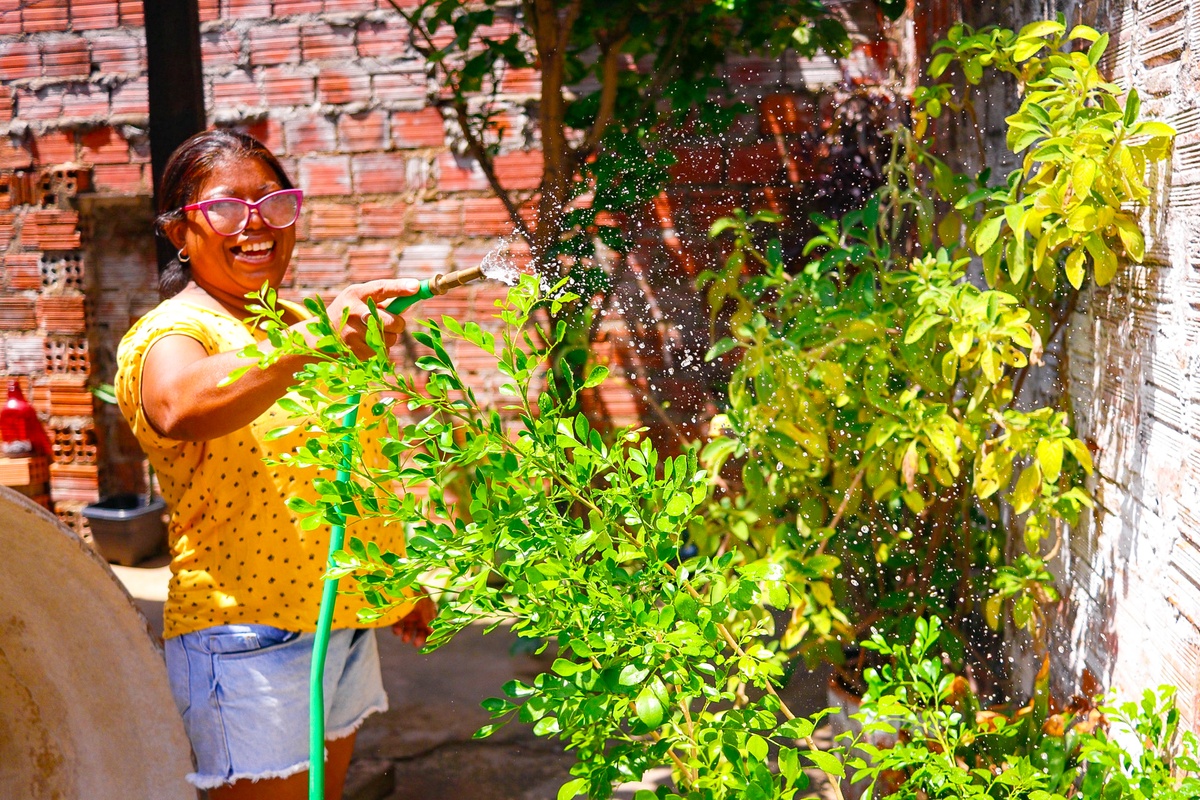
(334, 88)
(73, 100)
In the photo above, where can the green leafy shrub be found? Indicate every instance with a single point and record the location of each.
(950, 747)
(885, 459)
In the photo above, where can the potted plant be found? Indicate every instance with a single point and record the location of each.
(128, 527)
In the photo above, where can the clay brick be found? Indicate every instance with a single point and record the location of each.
(131, 97)
(269, 131)
(222, 47)
(758, 163)
(698, 164)
(104, 146)
(74, 444)
(310, 134)
(423, 128)
(20, 59)
(75, 482)
(6, 105)
(400, 88)
(248, 9)
(51, 229)
(236, 90)
(318, 265)
(369, 262)
(7, 226)
(486, 216)
(10, 19)
(458, 174)
(359, 133)
(22, 272)
(44, 15)
(15, 156)
(423, 260)
(325, 176)
(122, 179)
(349, 6)
(285, 8)
(283, 86)
(85, 101)
(61, 271)
(24, 355)
(521, 81)
(343, 85)
(66, 58)
(380, 173)
(94, 15)
(40, 104)
(17, 313)
(782, 114)
(275, 44)
(322, 42)
(520, 170)
(131, 13)
(382, 219)
(119, 52)
(54, 147)
(210, 10)
(328, 221)
(62, 313)
(444, 217)
(68, 356)
(382, 40)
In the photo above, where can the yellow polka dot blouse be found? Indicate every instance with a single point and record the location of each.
(238, 554)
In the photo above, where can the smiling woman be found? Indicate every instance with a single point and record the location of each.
(246, 577)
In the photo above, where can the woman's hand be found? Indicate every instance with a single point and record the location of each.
(352, 302)
(414, 628)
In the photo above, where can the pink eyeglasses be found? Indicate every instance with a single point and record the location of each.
(229, 216)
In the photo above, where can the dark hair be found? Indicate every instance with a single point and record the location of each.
(186, 171)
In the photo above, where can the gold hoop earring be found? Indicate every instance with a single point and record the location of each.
(183, 257)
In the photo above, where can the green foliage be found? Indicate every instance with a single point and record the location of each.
(950, 747)
(566, 538)
(1085, 154)
(873, 407)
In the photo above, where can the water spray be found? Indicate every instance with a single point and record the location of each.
(497, 266)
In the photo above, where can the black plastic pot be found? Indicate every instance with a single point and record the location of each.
(126, 528)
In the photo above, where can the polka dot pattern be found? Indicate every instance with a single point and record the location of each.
(238, 553)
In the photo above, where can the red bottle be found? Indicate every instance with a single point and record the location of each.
(21, 432)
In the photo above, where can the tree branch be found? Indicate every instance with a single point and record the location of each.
(610, 77)
(488, 166)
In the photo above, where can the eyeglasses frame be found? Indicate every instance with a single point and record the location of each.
(253, 208)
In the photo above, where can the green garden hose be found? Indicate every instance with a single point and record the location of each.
(316, 694)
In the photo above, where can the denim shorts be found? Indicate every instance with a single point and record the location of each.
(243, 694)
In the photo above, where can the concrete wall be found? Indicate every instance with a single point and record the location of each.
(1130, 576)
(1134, 376)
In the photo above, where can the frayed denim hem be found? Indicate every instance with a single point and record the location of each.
(346, 730)
(212, 781)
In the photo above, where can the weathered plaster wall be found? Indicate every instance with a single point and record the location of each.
(1134, 375)
(1130, 575)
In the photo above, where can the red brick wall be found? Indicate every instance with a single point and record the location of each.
(331, 87)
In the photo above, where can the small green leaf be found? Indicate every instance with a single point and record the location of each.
(572, 789)
(827, 763)
(596, 377)
(649, 708)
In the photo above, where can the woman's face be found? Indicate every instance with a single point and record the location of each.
(228, 267)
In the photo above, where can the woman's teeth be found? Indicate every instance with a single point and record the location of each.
(258, 247)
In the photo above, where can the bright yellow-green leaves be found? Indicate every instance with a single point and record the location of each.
(1085, 155)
